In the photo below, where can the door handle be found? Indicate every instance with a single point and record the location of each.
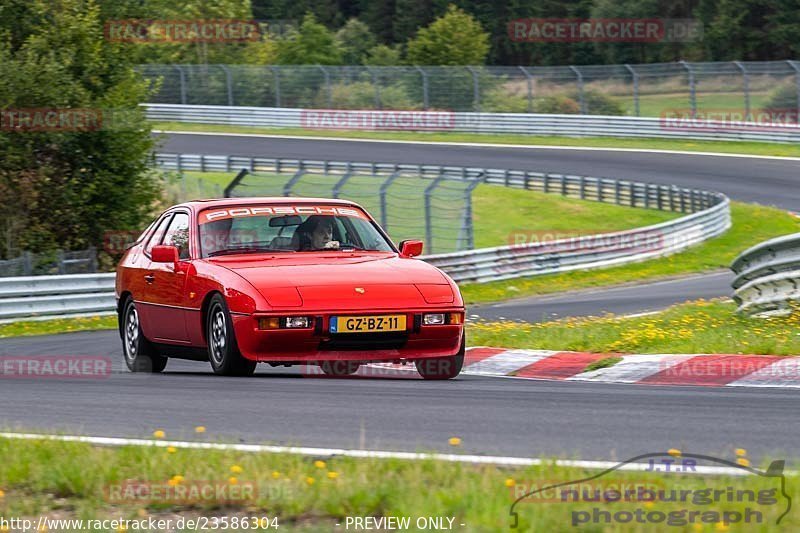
(149, 278)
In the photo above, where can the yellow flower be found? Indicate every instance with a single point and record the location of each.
(141, 512)
(159, 434)
(333, 475)
(721, 526)
(276, 474)
(319, 464)
(122, 527)
(200, 429)
(178, 478)
(674, 452)
(232, 480)
(742, 461)
(2, 494)
(454, 441)
(310, 480)
(171, 449)
(173, 483)
(510, 482)
(236, 469)
(741, 452)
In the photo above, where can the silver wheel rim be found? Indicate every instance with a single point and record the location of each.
(131, 333)
(219, 337)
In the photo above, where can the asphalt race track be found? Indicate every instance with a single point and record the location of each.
(496, 416)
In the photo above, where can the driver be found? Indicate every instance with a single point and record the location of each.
(316, 233)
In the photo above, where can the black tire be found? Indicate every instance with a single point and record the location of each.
(438, 368)
(139, 353)
(340, 368)
(223, 351)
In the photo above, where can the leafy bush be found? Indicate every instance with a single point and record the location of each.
(361, 95)
(556, 105)
(599, 103)
(782, 100)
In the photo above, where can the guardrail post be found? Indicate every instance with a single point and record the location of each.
(692, 87)
(796, 68)
(428, 215)
(617, 192)
(546, 183)
(384, 208)
(529, 78)
(563, 185)
(276, 73)
(635, 76)
(579, 84)
(182, 78)
(228, 83)
(425, 98)
(582, 192)
(746, 87)
(633, 194)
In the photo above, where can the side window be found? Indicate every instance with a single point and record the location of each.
(158, 233)
(178, 234)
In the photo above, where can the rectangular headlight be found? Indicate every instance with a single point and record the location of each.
(433, 319)
(298, 322)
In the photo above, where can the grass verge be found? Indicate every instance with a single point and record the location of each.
(751, 224)
(728, 147)
(73, 480)
(695, 327)
(60, 325)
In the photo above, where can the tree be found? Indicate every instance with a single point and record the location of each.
(355, 41)
(383, 56)
(65, 187)
(455, 38)
(311, 44)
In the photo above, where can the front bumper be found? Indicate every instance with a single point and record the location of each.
(317, 344)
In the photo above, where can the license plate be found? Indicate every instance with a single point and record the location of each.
(367, 324)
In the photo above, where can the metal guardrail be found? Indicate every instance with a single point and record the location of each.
(708, 216)
(52, 296)
(677, 127)
(768, 276)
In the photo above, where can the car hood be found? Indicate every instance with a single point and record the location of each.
(330, 281)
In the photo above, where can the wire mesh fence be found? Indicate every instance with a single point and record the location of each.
(58, 262)
(635, 90)
(408, 205)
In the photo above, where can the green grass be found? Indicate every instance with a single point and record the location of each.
(751, 224)
(695, 327)
(602, 363)
(74, 480)
(730, 147)
(61, 325)
(653, 105)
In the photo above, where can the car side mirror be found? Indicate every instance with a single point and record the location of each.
(164, 254)
(410, 248)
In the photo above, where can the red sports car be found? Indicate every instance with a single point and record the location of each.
(284, 281)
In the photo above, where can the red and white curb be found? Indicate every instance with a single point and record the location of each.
(651, 369)
(648, 369)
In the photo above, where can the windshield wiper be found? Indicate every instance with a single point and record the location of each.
(230, 251)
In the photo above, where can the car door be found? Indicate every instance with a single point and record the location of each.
(165, 291)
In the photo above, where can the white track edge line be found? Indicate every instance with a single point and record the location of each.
(478, 145)
(372, 454)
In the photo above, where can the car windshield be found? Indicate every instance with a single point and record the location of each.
(288, 229)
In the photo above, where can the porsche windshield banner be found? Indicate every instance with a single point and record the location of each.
(211, 215)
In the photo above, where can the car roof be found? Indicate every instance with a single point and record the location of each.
(198, 205)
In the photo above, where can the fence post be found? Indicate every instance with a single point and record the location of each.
(796, 68)
(428, 219)
(529, 77)
(746, 87)
(327, 85)
(228, 83)
(339, 184)
(287, 188)
(377, 87)
(470, 229)
(27, 263)
(579, 84)
(385, 187)
(476, 91)
(182, 78)
(635, 76)
(425, 98)
(60, 262)
(276, 73)
(692, 88)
